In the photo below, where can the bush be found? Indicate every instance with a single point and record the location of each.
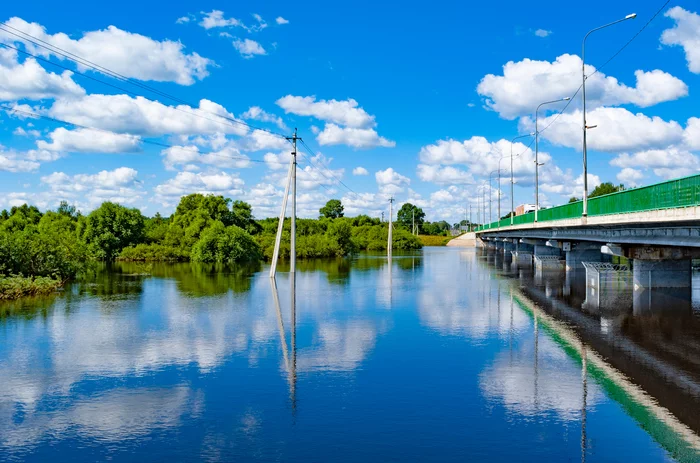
(429, 240)
(152, 253)
(17, 286)
(218, 243)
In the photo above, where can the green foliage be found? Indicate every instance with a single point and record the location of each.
(222, 244)
(152, 252)
(427, 240)
(605, 188)
(111, 228)
(574, 199)
(332, 210)
(441, 228)
(14, 287)
(339, 236)
(407, 213)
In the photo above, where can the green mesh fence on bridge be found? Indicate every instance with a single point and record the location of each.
(682, 192)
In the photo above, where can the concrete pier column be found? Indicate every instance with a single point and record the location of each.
(548, 258)
(580, 253)
(649, 274)
(544, 250)
(522, 256)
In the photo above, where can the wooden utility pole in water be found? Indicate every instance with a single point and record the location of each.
(391, 225)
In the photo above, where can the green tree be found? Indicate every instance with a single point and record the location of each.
(112, 227)
(406, 214)
(332, 210)
(605, 189)
(573, 199)
(195, 213)
(339, 236)
(225, 245)
(66, 209)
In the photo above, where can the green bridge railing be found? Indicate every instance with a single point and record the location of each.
(672, 194)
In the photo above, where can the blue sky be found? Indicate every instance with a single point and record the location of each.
(424, 98)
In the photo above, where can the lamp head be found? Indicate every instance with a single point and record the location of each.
(631, 16)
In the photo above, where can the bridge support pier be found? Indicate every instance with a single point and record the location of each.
(584, 252)
(547, 258)
(650, 274)
(522, 256)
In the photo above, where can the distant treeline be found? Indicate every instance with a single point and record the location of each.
(40, 251)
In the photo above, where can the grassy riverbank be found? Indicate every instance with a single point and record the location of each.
(14, 287)
(430, 240)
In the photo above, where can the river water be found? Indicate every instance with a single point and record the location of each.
(443, 355)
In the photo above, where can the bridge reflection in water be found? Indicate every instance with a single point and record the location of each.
(641, 346)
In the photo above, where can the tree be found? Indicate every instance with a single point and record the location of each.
(406, 215)
(225, 244)
(332, 210)
(112, 227)
(573, 199)
(605, 189)
(66, 209)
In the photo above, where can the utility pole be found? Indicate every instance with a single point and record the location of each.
(413, 220)
(391, 225)
(291, 181)
(469, 220)
(382, 216)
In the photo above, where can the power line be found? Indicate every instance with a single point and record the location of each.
(141, 140)
(320, 169)
(84, 62)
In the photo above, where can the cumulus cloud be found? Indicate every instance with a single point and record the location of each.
(90, 141)
(119, 185)
(527, 83)
(685, 33)
(258, 114)
(122, 113)
(189, 157)
(666, 163)
(357, 138)
(248, 48)
(129, 54)
(444, 175)
(343, 112)
(215, 18)
(25, 161)
(359, 170)
(391, 182)
(28, 80)
(184, 183)
(280, 20)
(617, 130)
(630, 177)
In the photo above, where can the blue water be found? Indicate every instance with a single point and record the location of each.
(427, 359)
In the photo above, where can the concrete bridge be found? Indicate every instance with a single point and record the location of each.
(655, 228)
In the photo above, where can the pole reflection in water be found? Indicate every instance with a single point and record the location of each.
(584, 381)
(290, 364)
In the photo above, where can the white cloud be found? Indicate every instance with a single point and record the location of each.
(260, 25)
(122, 113)
(691, 136)
(184, 183)
(281, 20)
(357, 138)
(29, 80)
(672, 162)
(617, 130)
(215, 18)
(182, 20)
(258, 114)
(248, 48)
(118, 50)
(444, 175)
(189, 157)
(685, 33)
(359, 170)
(527, 83)
(543, 33)
(391, 182)
(343, 112)
(90, 141)
(259, 140)
(90, 190)
(25, 161)
(20, 131)
(630, 177)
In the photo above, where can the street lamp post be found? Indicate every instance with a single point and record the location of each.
(499, 189)
(583, 72)
(537, 150)
(512, 182)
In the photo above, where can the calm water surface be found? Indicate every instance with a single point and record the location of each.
(445, 355)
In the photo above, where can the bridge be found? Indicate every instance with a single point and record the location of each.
(656, 229)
